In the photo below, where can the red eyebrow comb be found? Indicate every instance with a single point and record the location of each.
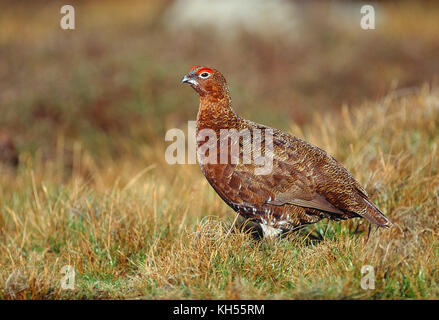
(205, 70)
(194, 67)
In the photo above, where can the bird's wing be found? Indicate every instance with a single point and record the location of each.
(302, 175)
(299, 176)
(287, 184)
(314, 201)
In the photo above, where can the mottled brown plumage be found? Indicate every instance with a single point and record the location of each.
(305, 185)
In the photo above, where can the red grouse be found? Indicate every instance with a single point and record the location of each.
(304, 185)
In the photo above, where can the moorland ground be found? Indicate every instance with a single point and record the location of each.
(88, 110)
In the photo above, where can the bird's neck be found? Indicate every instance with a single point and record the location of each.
(215, 112)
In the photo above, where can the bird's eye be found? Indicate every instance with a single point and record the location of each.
(205, 75)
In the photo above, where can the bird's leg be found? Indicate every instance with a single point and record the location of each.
(270, 232)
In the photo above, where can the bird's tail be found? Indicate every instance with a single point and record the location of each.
(374, 215)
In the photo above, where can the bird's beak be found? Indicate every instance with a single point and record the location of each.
(189, 78)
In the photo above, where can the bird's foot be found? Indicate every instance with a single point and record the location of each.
(270, 232)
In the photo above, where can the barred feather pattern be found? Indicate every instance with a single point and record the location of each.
(305, 185)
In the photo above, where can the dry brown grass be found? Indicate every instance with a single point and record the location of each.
(86, 112)
(132, 230)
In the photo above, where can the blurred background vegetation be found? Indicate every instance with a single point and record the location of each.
(112, 84)
(83, 116)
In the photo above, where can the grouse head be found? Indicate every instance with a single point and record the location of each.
(207, 82)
